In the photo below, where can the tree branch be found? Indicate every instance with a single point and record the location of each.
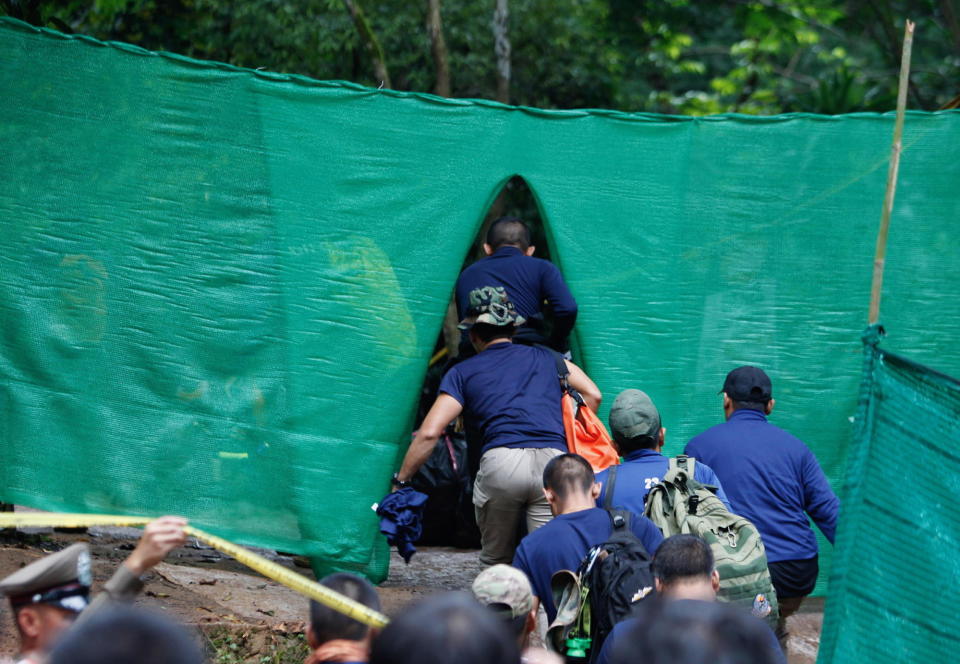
(370, 41)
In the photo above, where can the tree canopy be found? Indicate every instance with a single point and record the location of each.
(664, 56)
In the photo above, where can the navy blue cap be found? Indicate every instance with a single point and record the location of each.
(748, 384)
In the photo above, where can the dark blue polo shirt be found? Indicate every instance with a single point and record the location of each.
(511, 394)
(563, 542)
(772, 479)
(640, 471)
(622, 630)
(528, 281)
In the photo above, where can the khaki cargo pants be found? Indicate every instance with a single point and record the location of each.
(508, 488)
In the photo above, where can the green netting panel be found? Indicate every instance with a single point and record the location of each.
(894, 579)
(220, 287)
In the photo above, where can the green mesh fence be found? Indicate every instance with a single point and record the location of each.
(220, 287)
(894, 579)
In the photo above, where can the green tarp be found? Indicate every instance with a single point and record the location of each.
(220, 287)
(894, 581)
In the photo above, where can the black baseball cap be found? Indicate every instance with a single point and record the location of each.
(748, 384)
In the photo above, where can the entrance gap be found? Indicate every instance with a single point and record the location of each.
(448, 519)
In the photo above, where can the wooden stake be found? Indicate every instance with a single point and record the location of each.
(895, 150)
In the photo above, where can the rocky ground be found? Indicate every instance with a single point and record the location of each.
(244, 617)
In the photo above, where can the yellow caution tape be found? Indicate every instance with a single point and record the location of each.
(256, 562)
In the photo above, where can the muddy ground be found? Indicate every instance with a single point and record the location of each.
(245, 617)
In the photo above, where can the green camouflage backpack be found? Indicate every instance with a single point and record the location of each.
(680, 504)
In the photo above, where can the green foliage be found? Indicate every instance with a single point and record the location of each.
(670, 56)
(226, 645)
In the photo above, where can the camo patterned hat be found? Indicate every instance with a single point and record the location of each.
(504, 586)
(492, 306)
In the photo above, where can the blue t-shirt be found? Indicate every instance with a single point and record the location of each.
(772, 479)
(510, 393)
(563, 542)
(640, 471)
(622, 629)
(528, 282)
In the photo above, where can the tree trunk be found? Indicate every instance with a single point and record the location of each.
(501, 46)
(438, 47)
(953, 24)
(370, 42)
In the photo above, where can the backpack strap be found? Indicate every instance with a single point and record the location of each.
(562, 370)
(687, 463)
(619, 520)
(608, 489)
(563, 373)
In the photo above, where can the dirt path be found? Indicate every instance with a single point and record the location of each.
(243, 613)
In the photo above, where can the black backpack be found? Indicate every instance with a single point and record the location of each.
(613, 577)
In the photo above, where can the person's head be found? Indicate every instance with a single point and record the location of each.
(508, 232)
(127, 635)
(327, 624)
(694, 632)
(747, 388)
(569, 483)
(507, 591)
(635, 423)
(47, 595)
(490, 315)
(446, 628)
(683, 568)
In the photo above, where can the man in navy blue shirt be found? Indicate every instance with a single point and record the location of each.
(528, 282)
(511, 395)
(772, 479)
(683, 570)
(638, 437)
(571, 489)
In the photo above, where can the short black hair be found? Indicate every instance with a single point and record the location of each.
(566, 473)
(329, 624)
(452, 627)
(750, 405)
(127, 635)
(694, 632)
(627, 445)
(680, 557)
(486, 332)
(508, 231)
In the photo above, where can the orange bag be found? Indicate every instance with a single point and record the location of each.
(586, 434)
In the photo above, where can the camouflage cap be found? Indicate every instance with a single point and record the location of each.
(491, 305)
(565, 588)
(62, 579)
(633, 415)
(504, 585)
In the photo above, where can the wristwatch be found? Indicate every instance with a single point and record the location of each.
(397, 482)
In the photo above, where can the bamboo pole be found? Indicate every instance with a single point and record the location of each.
(895, 150)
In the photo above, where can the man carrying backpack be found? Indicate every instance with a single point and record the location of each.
(773, 480)
(638, 437)
(578, 525)
(683, 570)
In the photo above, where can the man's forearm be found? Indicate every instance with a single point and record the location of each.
(420, 450)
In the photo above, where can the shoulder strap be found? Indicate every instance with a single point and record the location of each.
(608, 489)
(687, 463)
(621, 523)
(562, 370)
